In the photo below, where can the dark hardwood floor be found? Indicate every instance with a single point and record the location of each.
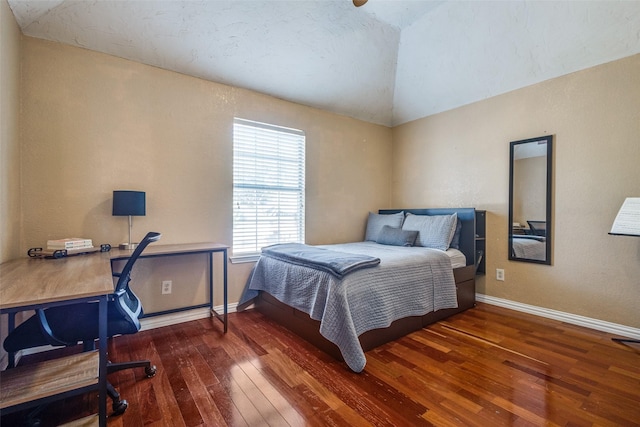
(488, 366)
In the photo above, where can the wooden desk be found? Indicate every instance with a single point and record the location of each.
(153, 251)
(30, 283)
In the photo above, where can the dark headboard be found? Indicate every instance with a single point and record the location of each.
(468, 233)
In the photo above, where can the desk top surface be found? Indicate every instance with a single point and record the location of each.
(173, 249)
(30, 281)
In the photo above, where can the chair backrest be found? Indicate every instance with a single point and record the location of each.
(538, 228)
(126, 301)
(124, 275)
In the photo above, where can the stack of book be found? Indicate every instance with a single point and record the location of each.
(69, 244)
(518, 228)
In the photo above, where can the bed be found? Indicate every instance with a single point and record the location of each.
(347, 315)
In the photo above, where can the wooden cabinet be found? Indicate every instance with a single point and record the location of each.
(481, 249)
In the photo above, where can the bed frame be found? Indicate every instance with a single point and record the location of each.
(301, 324)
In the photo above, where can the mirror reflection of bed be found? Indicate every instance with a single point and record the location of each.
(530, 243)
(529, 247)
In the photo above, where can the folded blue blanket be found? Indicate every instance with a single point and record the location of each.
(336, 263)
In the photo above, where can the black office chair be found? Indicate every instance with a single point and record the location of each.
(70, 324)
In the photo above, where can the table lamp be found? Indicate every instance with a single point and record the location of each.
(129, 203)
(627, 223)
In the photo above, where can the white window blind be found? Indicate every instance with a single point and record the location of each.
(268, 186)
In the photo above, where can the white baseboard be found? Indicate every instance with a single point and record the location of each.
(574, 319)
(182, 316)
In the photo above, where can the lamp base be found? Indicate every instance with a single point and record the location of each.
(128, 246)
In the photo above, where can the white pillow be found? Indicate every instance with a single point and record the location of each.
(375, 222)
(434, 231)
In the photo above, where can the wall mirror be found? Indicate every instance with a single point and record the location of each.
(530, 172)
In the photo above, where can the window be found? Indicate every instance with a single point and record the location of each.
(268, 186)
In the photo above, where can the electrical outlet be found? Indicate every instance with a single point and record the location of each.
(500, 274)
(166, 287)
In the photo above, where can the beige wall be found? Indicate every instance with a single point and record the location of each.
(10, 38)
(94, 123)
(10, 228)
(460, 158)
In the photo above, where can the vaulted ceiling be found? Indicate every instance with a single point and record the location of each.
(387, 62)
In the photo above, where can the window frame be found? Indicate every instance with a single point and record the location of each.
(259, 147)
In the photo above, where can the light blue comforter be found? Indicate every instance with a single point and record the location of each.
(409, 281)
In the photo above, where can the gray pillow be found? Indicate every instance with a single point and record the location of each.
(377, 221)
(396, 236)
(455, 241)
(434, 231)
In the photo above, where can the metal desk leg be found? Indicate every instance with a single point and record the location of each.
(11, 326)
(224, 284)
(211, 284)
(102, 371)
(224, 317)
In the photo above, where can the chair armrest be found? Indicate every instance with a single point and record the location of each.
(48, 333)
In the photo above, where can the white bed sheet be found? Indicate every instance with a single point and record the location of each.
(457, 258)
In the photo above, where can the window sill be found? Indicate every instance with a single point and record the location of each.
(240, 259)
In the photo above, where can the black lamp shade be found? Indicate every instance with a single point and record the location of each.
(127, 202)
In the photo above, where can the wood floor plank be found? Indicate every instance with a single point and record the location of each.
(272, 395)
(197, 385)
(339, 383)
(225, 406)
(488, 366)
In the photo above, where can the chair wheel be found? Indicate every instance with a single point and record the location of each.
(150, 371)
(119, 407)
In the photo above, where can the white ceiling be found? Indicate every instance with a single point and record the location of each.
(387, 62)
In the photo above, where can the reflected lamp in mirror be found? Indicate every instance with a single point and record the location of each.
(129, 203)
(530, 173)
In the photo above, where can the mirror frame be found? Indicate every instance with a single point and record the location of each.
(549, 173)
